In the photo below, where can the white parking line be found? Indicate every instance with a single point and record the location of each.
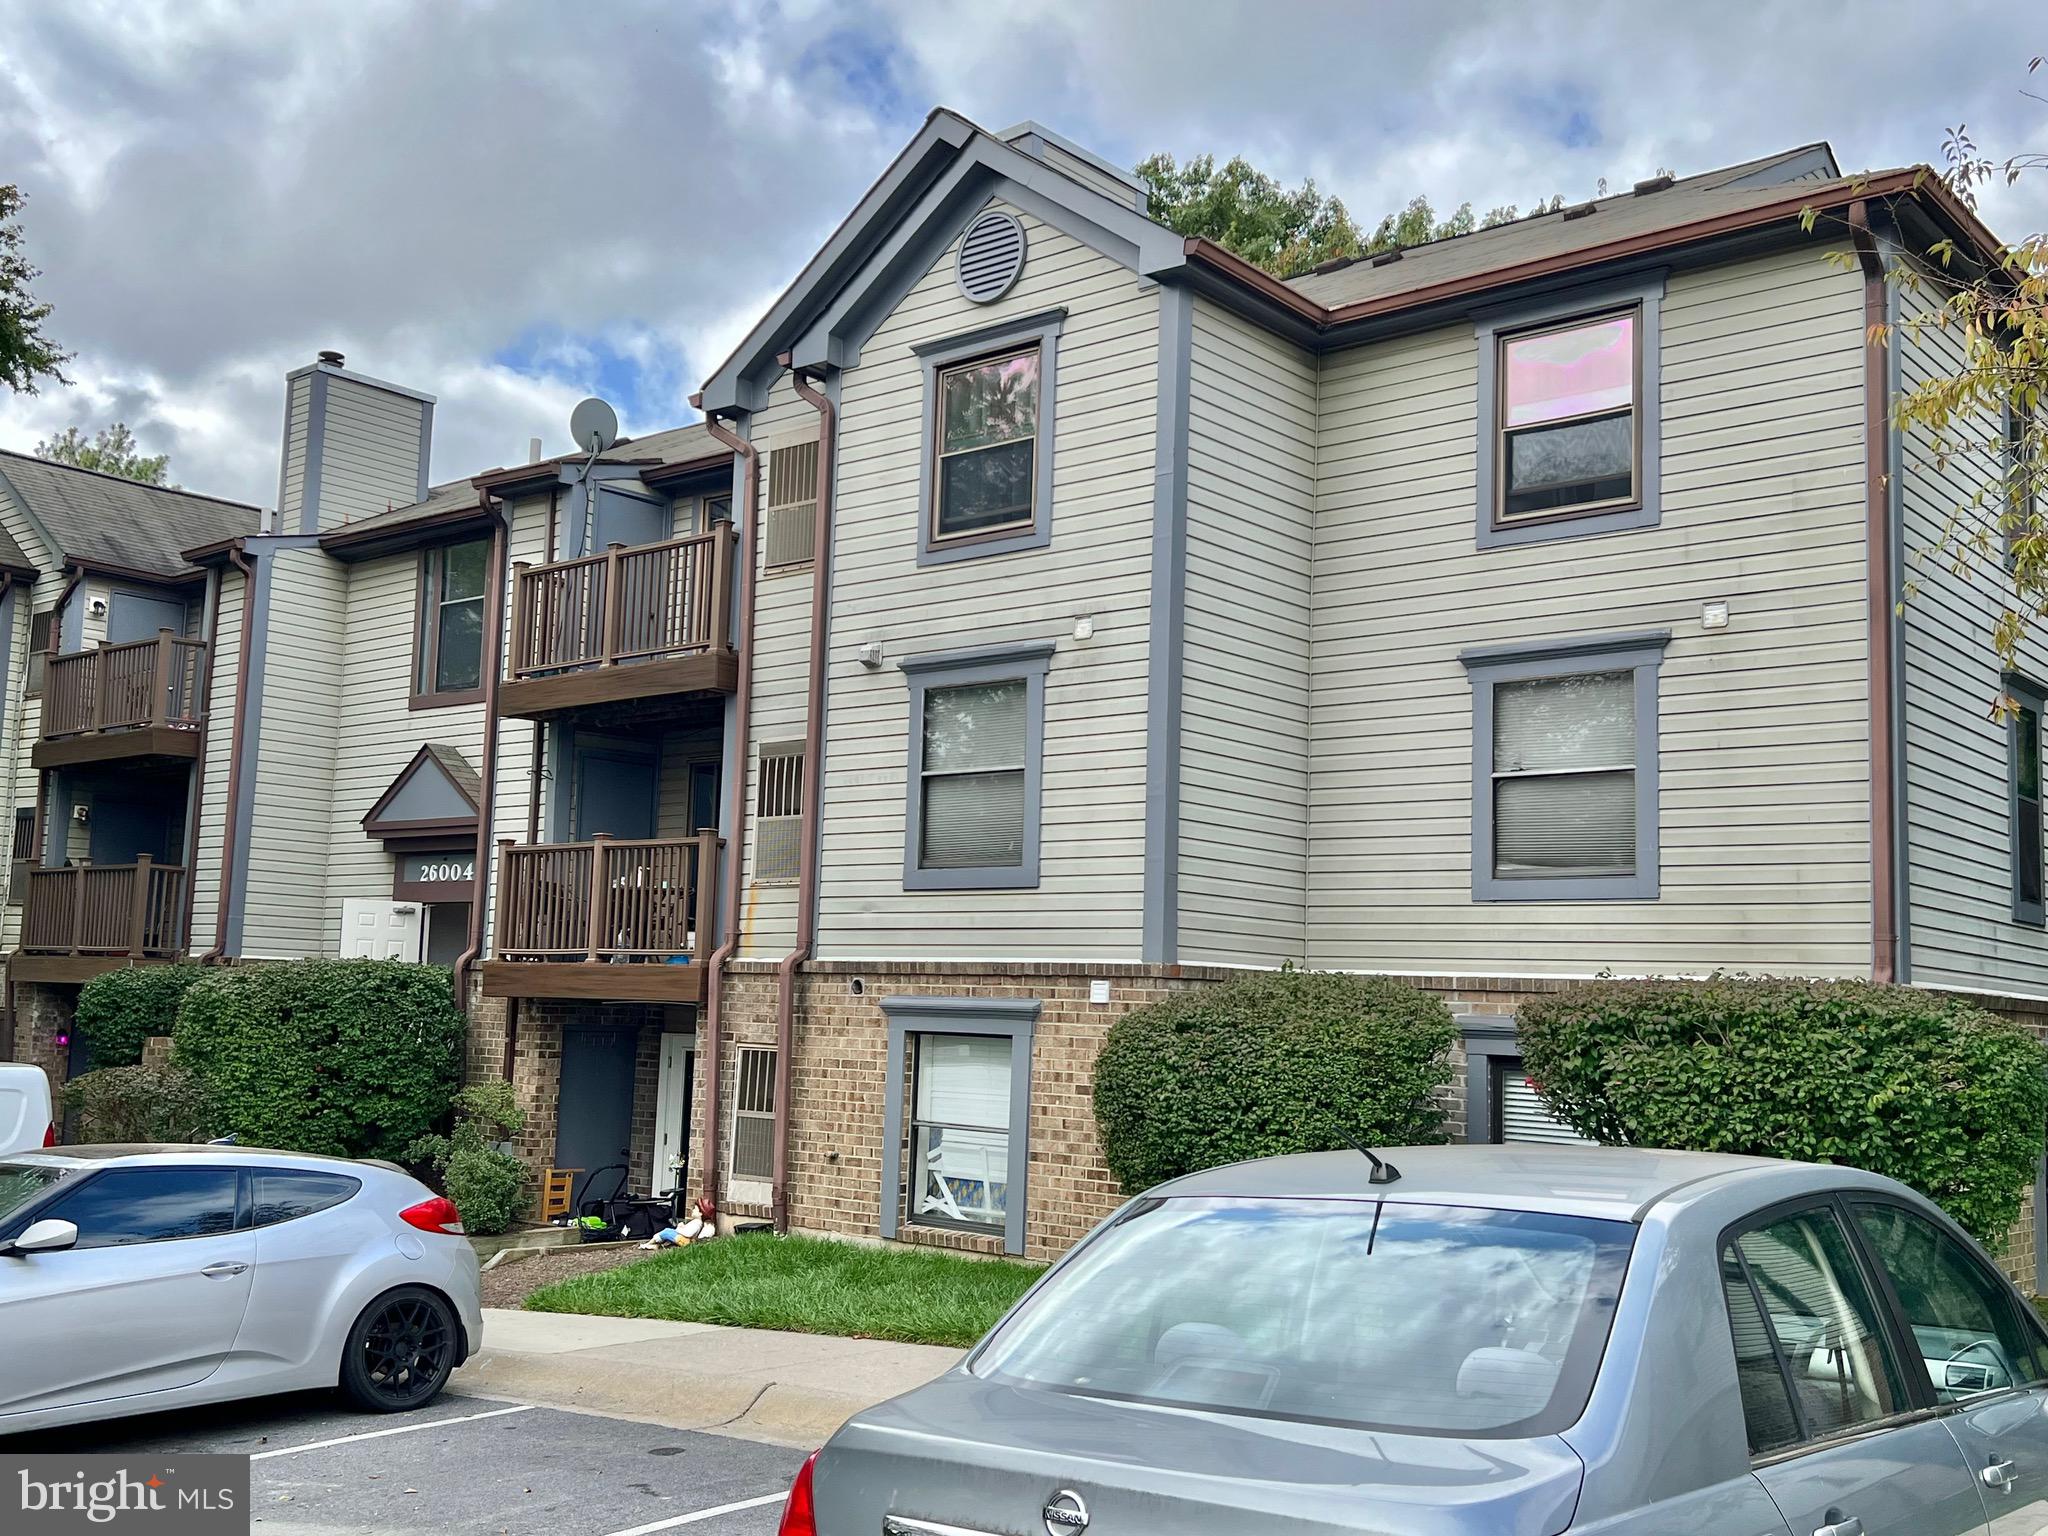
(702, 1514)
(379, 1434)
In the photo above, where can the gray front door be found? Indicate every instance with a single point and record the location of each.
(595, 1128)
(131, 616)
(623, 518)
(615, 794)
(123, 830)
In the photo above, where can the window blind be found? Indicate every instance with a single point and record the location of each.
(974, 744)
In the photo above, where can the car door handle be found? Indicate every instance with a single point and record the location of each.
(2000, 1476)
(223, 1270)
(1848, 1525)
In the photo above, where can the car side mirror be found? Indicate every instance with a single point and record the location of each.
(47, 1236)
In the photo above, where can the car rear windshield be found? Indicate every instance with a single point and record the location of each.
(22, 1182)
(1424, 1319)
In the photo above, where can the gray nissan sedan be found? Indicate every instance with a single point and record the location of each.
(1494, 1340)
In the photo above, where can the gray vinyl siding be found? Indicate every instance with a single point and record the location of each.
(300, 738)
(1088, 903)
(220, 730)
(1958, 820)
(23, 718)
(370, 456)
(781, 653)
(528, 541)
(1763, 735)
(298, 420)
(1244, 736)
(679, 750)
(1092, 177)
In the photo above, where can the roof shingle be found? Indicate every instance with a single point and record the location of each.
(106, 520)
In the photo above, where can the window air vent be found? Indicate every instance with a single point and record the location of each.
(991, 256)
(792, 517)
(778, 811)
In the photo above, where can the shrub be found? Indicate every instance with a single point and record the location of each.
(488, 1186)
(1271, 1062)
(1916, 1085)
(137, 1103)
(355, 1058)
(119, 1010)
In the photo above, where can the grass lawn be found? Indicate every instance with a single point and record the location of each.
(805, 1285)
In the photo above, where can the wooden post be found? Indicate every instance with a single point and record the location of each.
(99, 687)
(707, 888)
(600, 848)
(612, 604)
(138, 908)
(160, 711)
(522, 618)
(720, 636)
(504, 893)
(78, 903)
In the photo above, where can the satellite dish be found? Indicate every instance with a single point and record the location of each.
(594, 425)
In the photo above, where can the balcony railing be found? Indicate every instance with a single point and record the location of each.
(125, 687)
(652, 602)
(610, 900)
(137, 910)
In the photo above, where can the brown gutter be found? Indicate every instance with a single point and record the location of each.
(1877, 540)
(238, 557)
(814, 737)
(83, 563)
(494, 663)
(1915, 181)
(682, 468)
(710, 1046)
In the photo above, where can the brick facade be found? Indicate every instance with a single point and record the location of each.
(42, 1028)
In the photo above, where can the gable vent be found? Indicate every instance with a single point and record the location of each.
(991, 256)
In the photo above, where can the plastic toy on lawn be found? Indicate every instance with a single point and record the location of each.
(699, 1227)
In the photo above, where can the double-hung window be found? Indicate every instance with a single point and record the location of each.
(976, 727)
(449, 653)
(1569, 417)
(1564, 774)
(2023, 743)
(986, 487)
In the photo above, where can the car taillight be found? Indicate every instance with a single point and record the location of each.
(799, 1517)
(50, 1135)
(435, 1215)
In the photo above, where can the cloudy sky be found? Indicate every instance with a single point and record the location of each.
(515, 205)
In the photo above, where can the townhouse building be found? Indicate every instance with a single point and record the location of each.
(1053, 613)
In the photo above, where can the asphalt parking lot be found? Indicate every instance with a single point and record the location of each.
(468, 1465)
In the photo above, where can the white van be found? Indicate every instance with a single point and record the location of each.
(25, 1118)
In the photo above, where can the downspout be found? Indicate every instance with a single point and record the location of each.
(238, 557)
(1882, 595)
(814, 737)
(494, 663)
(710, 1046)
(51, 650)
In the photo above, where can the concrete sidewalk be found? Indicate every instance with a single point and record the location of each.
(785, 1388)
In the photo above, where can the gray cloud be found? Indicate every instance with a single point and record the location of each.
(513, 205)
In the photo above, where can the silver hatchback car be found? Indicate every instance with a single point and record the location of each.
(1494, 1340)
(138, 1279)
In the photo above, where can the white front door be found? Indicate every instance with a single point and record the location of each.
(382, 930)
(672, 1109)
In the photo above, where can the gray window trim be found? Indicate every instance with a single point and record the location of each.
(1011, 1017)
(950, 669)
(1490, 325)
(2031, 694)
(1642, 653)
(1488, 1042)
(1042, 329)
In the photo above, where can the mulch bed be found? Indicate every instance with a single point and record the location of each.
(511, 1283)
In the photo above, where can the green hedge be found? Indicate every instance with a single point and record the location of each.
(1916, 1085)
(121, 1009)
(487, 1185)
(1271, 1062)
(356, 1058)
(138, 1103)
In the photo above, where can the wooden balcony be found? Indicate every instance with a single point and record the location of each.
(618, 919)
(141, 699)
(652, 621)
(84, 919)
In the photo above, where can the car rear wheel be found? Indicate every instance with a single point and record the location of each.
(400, 1351)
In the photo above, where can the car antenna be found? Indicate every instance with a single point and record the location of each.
(1383, 1172)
